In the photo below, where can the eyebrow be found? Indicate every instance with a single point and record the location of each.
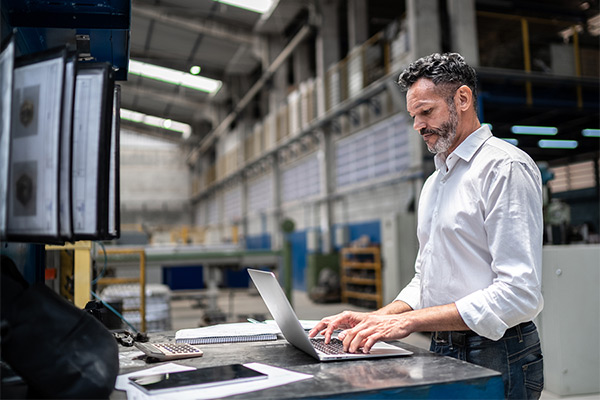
(420, 105)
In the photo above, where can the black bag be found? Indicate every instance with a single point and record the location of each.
(59, 350)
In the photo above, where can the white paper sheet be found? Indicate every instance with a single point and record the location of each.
(277, 377)
(307, 324)
(7, 61)
(233, 329)
(34, 156)
(87, 123)
(66, 155)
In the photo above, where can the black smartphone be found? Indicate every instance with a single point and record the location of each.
(198, 378)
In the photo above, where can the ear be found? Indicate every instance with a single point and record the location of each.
(463, 98)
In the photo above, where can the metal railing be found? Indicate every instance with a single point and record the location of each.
(141, 279)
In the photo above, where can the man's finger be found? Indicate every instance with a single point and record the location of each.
(321, 325)
(369, 343)
(357, 341)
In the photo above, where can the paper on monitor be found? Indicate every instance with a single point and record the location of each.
(87, 125)
(35, 140)
(65, 209)
(114, 220)
(7, 58)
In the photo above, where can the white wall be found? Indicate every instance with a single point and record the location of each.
(154, 181)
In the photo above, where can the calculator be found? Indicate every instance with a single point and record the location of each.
(169, 351)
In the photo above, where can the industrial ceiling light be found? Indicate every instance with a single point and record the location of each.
(168, 124)
(195, 70)
(534, 130)
(591, 132)
(258, 6)
(557, 144)
(174, 77)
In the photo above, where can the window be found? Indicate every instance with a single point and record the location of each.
(301, 180)
(260, 194)
(376, 152)
(574, 176)
(233, 204)
(212, 217)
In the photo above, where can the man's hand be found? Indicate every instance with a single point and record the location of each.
(344, 320)
(373, 328)
(377, 326)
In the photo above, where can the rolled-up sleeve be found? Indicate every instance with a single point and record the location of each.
(411, 294)
(514, 228)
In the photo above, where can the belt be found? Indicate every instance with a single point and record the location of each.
(459, 338)
(456, 338)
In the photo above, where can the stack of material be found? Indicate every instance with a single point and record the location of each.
(158, 308)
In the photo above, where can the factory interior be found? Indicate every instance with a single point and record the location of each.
(272, 135)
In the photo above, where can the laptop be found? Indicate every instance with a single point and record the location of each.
(292, 330)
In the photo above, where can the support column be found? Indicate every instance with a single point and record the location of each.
(358, 24)
(424, 27)
(277, 235)
(244, 211)
(278, 93)
(327, 46)
(463, 29)
(301, 63)
(325, 155)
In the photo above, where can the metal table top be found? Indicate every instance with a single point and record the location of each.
(423, 375)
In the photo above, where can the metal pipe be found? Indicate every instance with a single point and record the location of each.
(211, 28)
(577, 55)
(141, 280)
(526, 58)
(285, 53)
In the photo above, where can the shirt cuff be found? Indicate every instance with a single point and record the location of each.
(475, 312)
(409, 297)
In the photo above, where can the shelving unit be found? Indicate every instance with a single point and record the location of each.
(361, 274)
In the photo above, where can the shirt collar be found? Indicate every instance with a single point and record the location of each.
(466, 150)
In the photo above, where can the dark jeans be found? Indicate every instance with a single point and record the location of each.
(517, 356)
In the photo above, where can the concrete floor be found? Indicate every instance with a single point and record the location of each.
(188, 311)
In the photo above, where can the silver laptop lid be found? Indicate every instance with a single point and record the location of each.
(285, 317)
(281, 310)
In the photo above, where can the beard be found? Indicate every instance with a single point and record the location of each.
(446, 133)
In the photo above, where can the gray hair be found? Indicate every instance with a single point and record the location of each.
(448, 71)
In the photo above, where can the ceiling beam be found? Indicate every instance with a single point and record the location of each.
(142, 129)
(209, 70)
(209, 139)
(167, 97)
(209, 28)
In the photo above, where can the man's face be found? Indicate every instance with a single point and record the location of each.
(433, 117)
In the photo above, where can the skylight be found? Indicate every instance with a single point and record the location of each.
(134, 116)
(257, 6)
(174, 77)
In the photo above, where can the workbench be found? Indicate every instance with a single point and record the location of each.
(212, 259)
(422, 375)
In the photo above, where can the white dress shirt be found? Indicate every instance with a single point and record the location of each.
(480, 233)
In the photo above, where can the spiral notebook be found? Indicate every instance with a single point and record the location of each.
(228, 333)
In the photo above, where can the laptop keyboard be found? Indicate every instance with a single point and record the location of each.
(335, 346)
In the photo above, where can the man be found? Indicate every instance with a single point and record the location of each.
(478, 270)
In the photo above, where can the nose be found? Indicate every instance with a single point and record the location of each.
(418, 124)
